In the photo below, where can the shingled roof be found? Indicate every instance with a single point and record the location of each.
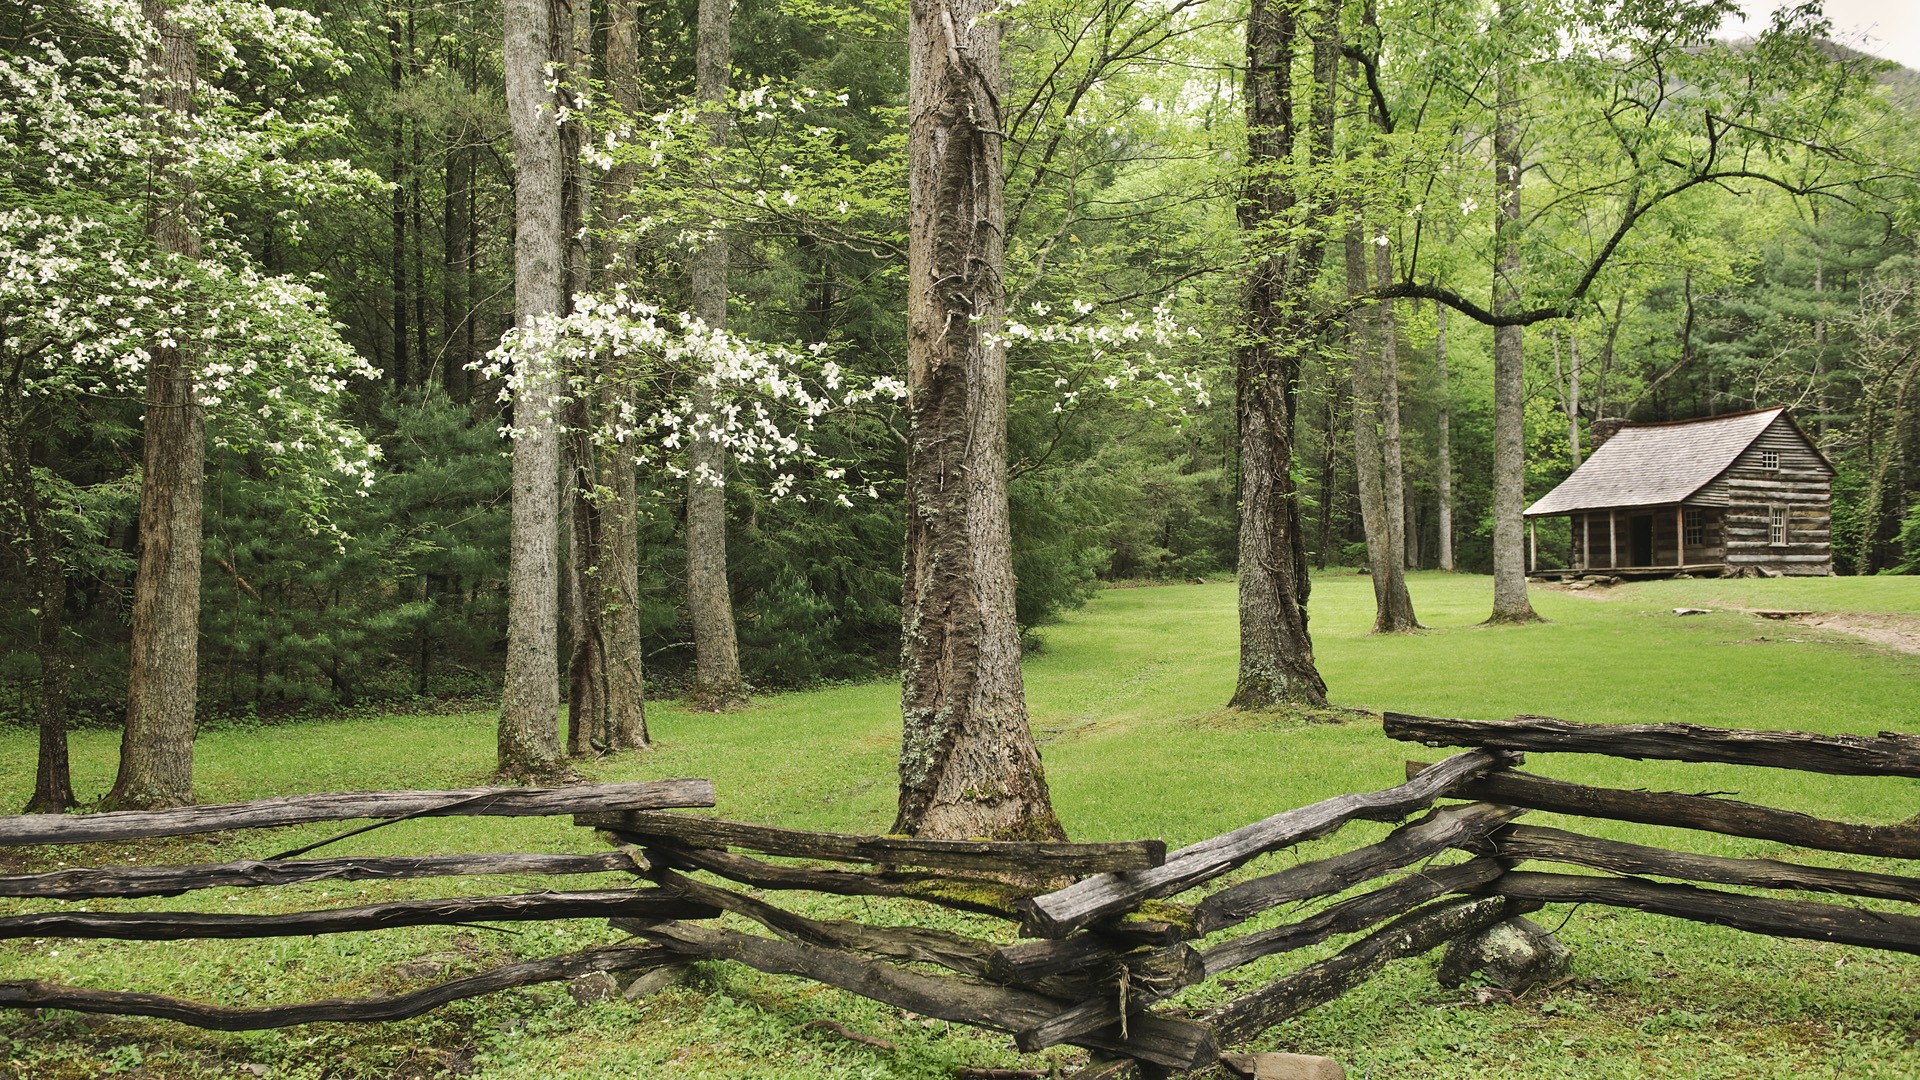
(1656, 464)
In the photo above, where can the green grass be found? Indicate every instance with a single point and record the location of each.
(1126, 698)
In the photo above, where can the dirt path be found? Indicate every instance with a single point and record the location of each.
(1898, 632)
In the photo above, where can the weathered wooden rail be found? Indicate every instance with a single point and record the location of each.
(1084, 944)
(1628, 866)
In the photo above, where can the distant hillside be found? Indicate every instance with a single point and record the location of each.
(1904, 82)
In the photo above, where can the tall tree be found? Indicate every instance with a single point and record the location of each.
(716, 649)
(619, 570)
(529, 739)
(1510, 604)
(36, 548)
(1566, 379)
(968, 764)
(1443, 451)
(1276, 652)
(156, 749)
(587, 726)
(1372, 340)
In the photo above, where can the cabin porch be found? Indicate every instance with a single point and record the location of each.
(1640, 542)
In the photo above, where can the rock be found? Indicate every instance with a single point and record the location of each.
(1284, 1066)
(1515, 955)
(595, 987)
(1581, 585)
(654, 980)
(1691, 611)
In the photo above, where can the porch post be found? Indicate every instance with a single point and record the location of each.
(1533, 544)
(1586, 541)
(1613, 545)
(1680, 535)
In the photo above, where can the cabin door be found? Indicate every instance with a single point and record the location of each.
(1640, 538)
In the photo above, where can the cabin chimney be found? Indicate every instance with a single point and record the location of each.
(1603, 429)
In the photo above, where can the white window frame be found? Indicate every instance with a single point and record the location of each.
(1777, 525)
(1770, 459)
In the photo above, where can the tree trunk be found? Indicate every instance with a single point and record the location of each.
(1443, 468)
(626, 699)
(1606, 357)
(156, 750)
(968, 765)
(716, 650)
(397, 196)
(1382, 512)
(1329, 471)
(1573, 389)
(1510, 602)
(35, 544)
(453, 268)
(529, 740)
(585, 606)
(1412, 529)
(1276, 652)
(52, 778)
(1397, 614)
(586, 658)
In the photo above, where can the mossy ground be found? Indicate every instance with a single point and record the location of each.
(1126, 700)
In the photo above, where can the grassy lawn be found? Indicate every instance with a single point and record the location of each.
(1126, 699)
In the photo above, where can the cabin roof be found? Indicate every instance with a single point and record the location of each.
(1656, 464)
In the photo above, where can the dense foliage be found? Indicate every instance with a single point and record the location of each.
(358, 207)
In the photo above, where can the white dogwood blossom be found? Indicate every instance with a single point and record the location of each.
(766, 398)
(85, 294)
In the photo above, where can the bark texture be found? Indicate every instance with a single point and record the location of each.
(156, 750)
(1376, 441)
(626, 699)
(968, 764)
(716, 649)
(1276, 652)
(529, 741)
(1443, 464)
(31, 536)
(52, 776)
(585, 600)
(1393, 472)
(1510, 604)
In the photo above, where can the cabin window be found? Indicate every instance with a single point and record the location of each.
(1770, 459)
(1776, 525)
(1696, 530)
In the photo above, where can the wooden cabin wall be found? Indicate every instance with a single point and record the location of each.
(1801, 485)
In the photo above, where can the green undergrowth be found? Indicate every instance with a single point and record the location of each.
(1126, 700)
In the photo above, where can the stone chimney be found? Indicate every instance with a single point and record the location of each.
(1603, 429)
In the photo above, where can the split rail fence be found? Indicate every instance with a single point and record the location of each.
(1091, 962)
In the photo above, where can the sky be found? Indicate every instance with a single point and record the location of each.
(1886, 28)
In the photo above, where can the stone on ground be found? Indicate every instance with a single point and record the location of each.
(1515, 955)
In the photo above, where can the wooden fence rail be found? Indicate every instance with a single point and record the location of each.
(349, 805)
(1096, 963)
(1888, 754)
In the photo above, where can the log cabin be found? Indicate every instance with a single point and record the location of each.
(1745, 493)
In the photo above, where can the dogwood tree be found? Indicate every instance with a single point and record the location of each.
(127, 130)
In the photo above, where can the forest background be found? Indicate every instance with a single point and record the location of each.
(361, 197)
